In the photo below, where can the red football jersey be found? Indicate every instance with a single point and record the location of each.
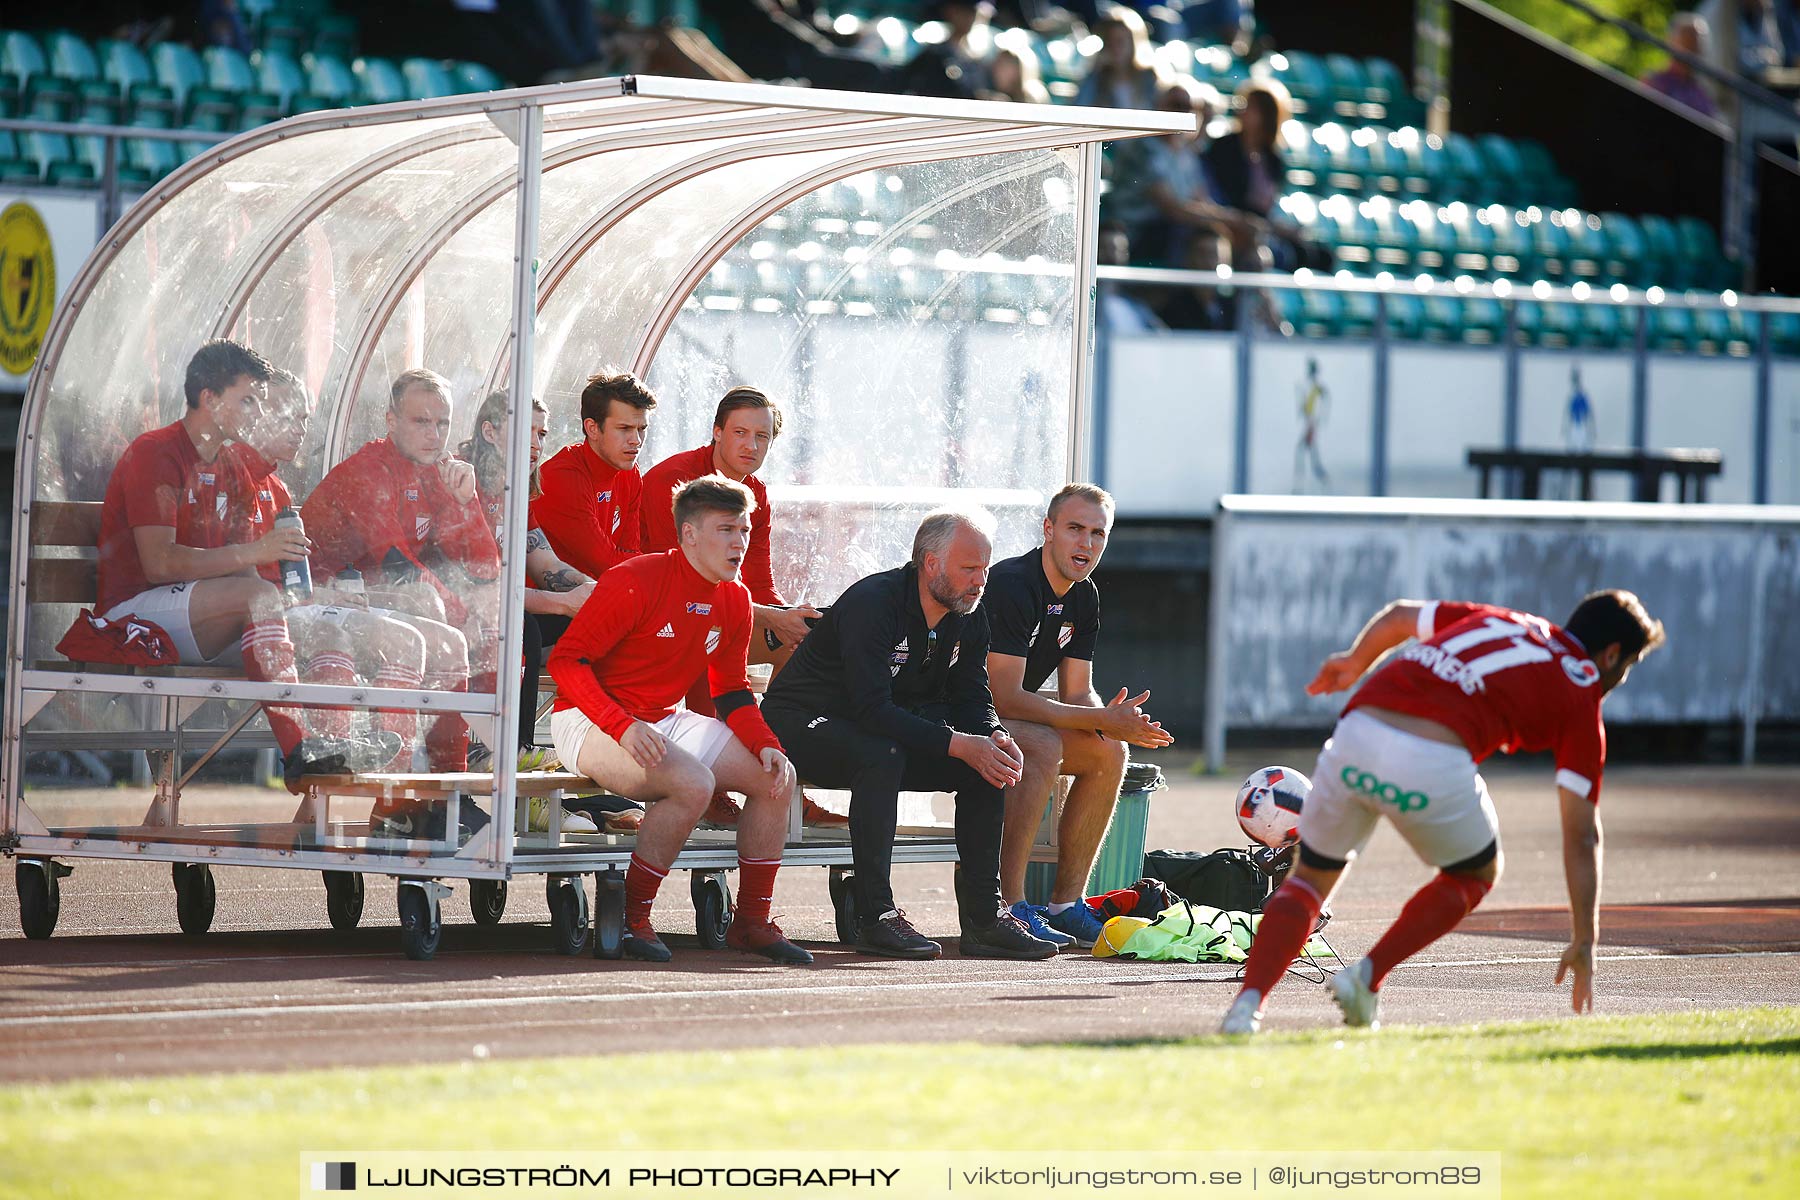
(159, 480)
(589, 510)
(1503, 681)
(377, 502)
(641, 640)
(662, 481)
(258, 496)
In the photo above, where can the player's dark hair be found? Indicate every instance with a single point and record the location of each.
(612, 384)
(1615, 615)
(219, 364)
(287, 381)
(483, 455)
(745, 396)
(1080, 491)
(711, 493)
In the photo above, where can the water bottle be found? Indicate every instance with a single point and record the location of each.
(296, 576)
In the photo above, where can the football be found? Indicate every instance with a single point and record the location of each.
(1268, 805)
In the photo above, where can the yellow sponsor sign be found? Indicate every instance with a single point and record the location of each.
(27, 286)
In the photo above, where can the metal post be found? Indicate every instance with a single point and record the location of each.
(1081, 368)
(1102, 409)
(518, 474)
(109, 187)
(1510, 393)
(1640, 380)
(1248, 301)
(1378, 417)
(1761, 433)
(1431, 62)
(1217, 641)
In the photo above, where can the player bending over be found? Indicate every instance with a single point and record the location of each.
(621, 669)
(1479, 679)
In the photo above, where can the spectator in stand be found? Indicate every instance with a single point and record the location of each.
(1247, 168)
(1174, 197)
(222, 24)
(951, 68)
(1013, 75)
(1687, 33)
(1123, 73)
(589, 509)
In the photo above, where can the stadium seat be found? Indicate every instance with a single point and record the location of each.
(1783, 332)
(1672, 329)
(152, 158)
(1389, 92)
(1425, 162)
(125, 66)
(1625, 260)
(230, 73)
(1713, 332)
(202, 105)
(1308, 82)
(473, 77)
(1471, 250)
(426, 79)
(1606, 326)
(335, 34)
(1550, 243)
(1359, 310)
(1698, 247)
(378, 81)
(1287, 311)
(1505, 178)
(1388, 166)
(1350, 89)
(279, 75)
(1464, 174)
(1589, 249)
(1484, 321)
(1306, 160)
(1396, 239)
(1443, 319)
(1321, 314)
(18, 171)
(1348, 161)
(1662, 252)
(329, 78)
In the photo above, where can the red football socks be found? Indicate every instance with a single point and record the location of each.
(1287, 921)
(756, 887)
(641, 882)
(269, 658)
(1433, 911)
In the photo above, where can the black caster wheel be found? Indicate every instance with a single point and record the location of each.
(488, 898)
(421, 923)
(343, 898)
(843, 903)
(609, 913)
(195, 896)
(712, 907)
(40, 898)
(568, 913)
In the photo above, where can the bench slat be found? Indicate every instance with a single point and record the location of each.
(65, 523)
(63, 581)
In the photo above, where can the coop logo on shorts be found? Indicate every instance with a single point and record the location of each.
(27, 286)
(1370, 784)
(334, 1177)
(1581, 671)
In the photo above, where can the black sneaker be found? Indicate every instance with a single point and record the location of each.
(1005, 938)
(426, 820)
(891, 935)
(640, 942)
(327, 755)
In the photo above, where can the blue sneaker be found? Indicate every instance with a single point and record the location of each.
(1077, 921)
(1032, 917)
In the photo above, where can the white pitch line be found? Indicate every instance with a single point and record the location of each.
(1035, 982)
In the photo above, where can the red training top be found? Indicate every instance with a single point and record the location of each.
(662, 481)
(159, 480)
(377, 502)
(588, 509)
(258, 496)
(639, 643)
(1502, 680)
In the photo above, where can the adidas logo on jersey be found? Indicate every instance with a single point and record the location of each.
(666, 631)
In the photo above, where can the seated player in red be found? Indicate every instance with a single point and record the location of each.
(620, 671)
(167, 553)
(589, 510)
(745, 426)
(403, 512)
(1407, 748)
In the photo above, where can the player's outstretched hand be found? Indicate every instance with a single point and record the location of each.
(1123, 720)
(574, 598)
(1578, 962)
(790, 624)
(459, 477)
(285, 544)
(1335, 674)
(781, 771)
(644, 744)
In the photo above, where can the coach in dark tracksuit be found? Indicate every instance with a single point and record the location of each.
(890, 692)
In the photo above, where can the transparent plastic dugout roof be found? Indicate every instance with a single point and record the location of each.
(910, 279)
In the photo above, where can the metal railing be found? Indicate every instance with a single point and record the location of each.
(112, 195)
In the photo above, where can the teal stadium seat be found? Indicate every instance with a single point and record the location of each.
(426, 79)
(1506, 179)
(1287, 311)
(1321, 314)
(1589, 248)
(57, 163)
(328, 78)
(1662, 252)
(46, 96)
(335, 34)
(1425, 163)
(125, 66)
(1396, 241)
(1387, 164)
(378, 81)
(278, 73)
(1606, 326)
(1784, 333)
(1306, 160)
(1484, 321)
(230, 72)
(1359, 310)
(153, 158)
(1672, 329)
(1348, 170)
(1707, 266)
(1712, 331)
(202, 105)
(1309, 83)
(1443, 319)
(1464, 176)
(1472, 241)
(1550, 243)
(474, 77)
(1405, 317)
(1389, 91)
(98, 99)
(1625, 260)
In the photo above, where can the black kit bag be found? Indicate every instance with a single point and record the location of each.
(1227, 879)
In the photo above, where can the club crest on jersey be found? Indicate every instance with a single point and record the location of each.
(1581, 671)
(955, 653)
(1065, 635)
(412, 494)
(712, 638)
(219, 505)
(421, 527)
(699, 609)
(615, 524)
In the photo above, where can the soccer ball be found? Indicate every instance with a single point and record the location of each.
(1268, 805)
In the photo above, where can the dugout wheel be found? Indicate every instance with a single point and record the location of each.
(488, 898)
(568, 913)
(195, 896)
(609, 913)
(843, 903)
(343, 899)
(712, 907)
(421, 917)
(40, 899)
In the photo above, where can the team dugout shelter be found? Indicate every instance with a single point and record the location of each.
(912, 280)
